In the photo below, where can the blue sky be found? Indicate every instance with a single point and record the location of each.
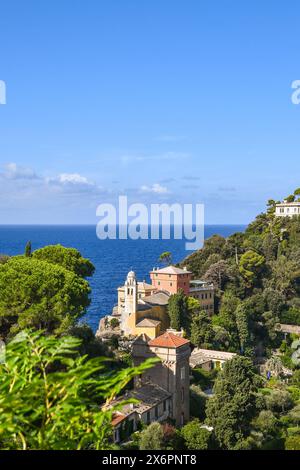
(165, 101)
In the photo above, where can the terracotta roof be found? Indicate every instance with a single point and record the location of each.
(168, 340)
(171, 270)
(117, 418)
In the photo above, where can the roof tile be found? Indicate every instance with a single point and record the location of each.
(168, 340)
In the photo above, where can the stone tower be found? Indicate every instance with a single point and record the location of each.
(171, 374)
(131, 299)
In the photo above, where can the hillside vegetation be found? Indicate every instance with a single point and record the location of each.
(257, 279)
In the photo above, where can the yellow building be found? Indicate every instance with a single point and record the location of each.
(204, 292)
(141, 309)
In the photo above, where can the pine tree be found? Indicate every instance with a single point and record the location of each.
(28, 249)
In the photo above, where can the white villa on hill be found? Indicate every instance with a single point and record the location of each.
(287, 209)
(209, 359)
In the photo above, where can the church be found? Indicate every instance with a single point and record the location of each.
(162, 392)
(142, 307)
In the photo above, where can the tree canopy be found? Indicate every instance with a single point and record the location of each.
(52, 398)
(178, 310)
(68, 258)
(40, 295)
(232, 407)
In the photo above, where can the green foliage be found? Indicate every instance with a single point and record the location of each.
(266, 422)
(178, 311)
(28, 249)
(68, 258)
(152, 437)
(52, 398)
(114, 323)
(89, 344)
(285, 276)
(40, 295)
(3, 259)
(291, 316)
(279, 401)
(243, 327)
(251, 266)
(226, 317)
(196, 437)
(204, 378)
(202, 334)
(256, 276)
(218, 273)
(172, 439)
(165, 258)
(296, 378)
(290, 198)
(197, 402)
(295, 393)
(232, 407)
(292, 443)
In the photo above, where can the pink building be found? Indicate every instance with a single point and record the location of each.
(171, 279)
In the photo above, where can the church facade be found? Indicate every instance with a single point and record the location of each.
(142, 307)
(162, 392)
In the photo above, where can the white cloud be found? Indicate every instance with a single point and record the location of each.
(155, 188)
(74, 183)
(15, 172)
(71, 178)
(20, 182)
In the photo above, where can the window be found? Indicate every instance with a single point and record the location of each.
(148, 417)
(182, 419)
(182, 373)
(156, 412)
(171, 283)
(165, 405)
(182, 395)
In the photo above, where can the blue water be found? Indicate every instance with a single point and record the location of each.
(112, 258)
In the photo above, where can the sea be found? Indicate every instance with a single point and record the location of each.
(111, 258)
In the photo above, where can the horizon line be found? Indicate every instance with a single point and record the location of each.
(117, 225)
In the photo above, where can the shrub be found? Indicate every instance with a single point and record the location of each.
(151, 438)
(292, 443)
(52, 398)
